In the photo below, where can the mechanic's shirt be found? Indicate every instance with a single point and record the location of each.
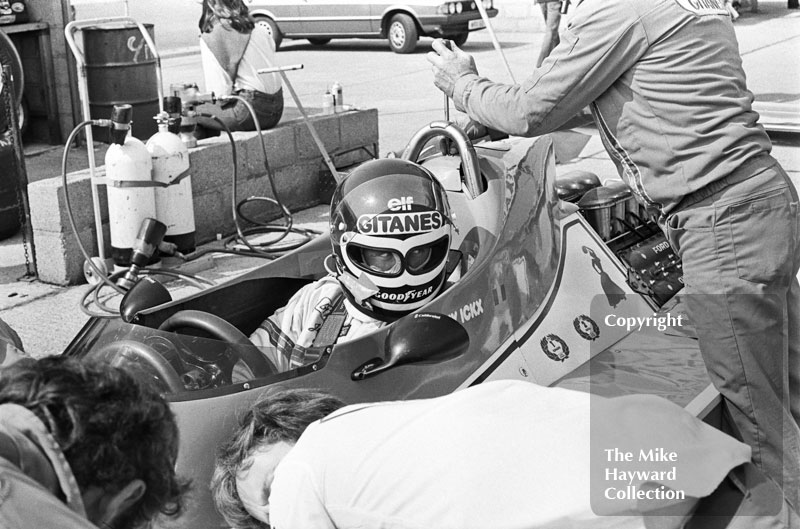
(37, 487)
(286, 336)
(666, 87)
(499, 455)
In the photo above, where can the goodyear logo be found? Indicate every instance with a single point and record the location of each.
(404, 297)
(400, 223)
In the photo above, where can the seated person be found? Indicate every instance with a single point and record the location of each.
(391, 232)
(84, 445)
(233, 49)
(500, 455)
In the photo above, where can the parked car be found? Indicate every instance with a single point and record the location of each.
(319, 21)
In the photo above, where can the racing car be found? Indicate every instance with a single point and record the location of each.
(542, 298)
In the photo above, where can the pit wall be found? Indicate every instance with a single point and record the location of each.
(301, 177)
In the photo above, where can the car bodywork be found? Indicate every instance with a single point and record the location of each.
(321, 20)
(540, 299)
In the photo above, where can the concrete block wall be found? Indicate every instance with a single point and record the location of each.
(301, 177)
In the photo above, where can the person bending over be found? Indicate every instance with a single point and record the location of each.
(233, 48)
(83, 446)
(504, 454)
(391, 231)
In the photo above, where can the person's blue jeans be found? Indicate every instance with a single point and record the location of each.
(740, 246)
(236, 116)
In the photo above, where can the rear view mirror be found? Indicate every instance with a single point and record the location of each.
(420, 338)
(145, 294)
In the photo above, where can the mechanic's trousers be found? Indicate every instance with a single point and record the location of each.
(739, 240)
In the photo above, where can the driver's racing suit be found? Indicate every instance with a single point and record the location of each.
(286, 336)
(666, 86)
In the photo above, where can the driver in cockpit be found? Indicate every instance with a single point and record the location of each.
(391, 231)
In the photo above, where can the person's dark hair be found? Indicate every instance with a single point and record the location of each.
(112, 428)
(279, 415)
(232, 12)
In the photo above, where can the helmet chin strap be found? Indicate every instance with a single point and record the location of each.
(360, 288)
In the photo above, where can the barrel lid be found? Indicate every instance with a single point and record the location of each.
(115, 26)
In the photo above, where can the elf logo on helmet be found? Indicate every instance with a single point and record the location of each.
(404, 297)
(399, 204)
(400, 223)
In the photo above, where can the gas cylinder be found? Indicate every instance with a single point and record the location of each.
(131, 197)
(173, 196)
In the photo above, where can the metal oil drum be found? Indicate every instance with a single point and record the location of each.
(121, 69)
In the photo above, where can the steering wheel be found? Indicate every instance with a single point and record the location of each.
(120, 352)
(220, 329)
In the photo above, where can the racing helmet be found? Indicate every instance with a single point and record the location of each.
(390, 230)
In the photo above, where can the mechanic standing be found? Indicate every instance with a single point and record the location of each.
(666, 86)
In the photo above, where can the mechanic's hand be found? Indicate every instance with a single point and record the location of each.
(449, 65)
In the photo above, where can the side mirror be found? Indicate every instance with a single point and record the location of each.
(421, 338)
(145, 294)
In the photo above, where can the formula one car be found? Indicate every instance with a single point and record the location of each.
(541, 298)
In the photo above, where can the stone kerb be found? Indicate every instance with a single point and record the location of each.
(301, 179)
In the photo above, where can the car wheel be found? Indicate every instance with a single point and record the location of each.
(460, 39)
(272, 28)
(319, 41)
(402, 34)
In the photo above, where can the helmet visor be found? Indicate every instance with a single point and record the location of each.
(388, 262)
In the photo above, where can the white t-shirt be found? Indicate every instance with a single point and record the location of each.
(259, 54)
(501, 455)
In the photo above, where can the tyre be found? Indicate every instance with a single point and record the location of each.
(319, 41)
(272, 28)
(460, 39)
(402, 33)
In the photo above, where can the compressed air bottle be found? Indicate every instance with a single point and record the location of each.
(174, 204)
(128, 166)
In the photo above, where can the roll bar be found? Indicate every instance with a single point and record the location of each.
(469, 159)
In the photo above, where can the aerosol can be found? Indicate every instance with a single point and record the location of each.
(173, 194)
(338, 97)
(131, 196)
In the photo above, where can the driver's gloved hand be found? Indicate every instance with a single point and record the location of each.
(475, 132)
(472, 128)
